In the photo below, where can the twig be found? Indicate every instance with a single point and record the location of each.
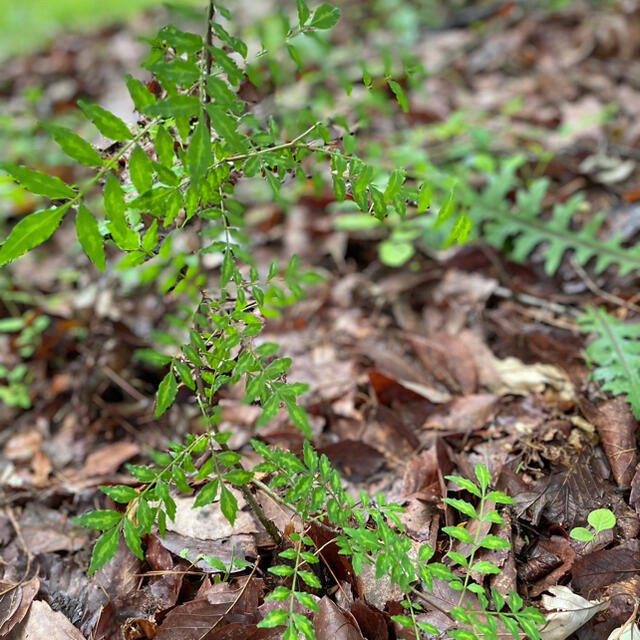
(605, 295)
(246, 492)
(207, 61)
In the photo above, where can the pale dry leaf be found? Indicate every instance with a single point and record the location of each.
(632, 632)
(569, 612)
(520, 379)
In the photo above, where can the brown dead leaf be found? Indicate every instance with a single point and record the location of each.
(15, 602)
(617, 429)
(43, 622)
(329, 623)
(108, 458)
(464, 414)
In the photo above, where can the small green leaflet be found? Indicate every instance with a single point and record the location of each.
(125, 237)
(424, 197)
(325, 16)
(108, 124)
(104, 549)
(140, 95)
(150, 237)
(30, 232)
(303, 11)
(89, 236)
(132, 538)
(140, 170)
(166, 393)
(163, 144)
(38, 182)
(98, 519)
(274, 618)
(445, 210)
(199, 154)
(174, 107)
(399, 94)
(228, 504)
(393, 186)
(73, 145)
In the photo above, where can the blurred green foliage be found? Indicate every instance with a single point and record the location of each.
(28, 25)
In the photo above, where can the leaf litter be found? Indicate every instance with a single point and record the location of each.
(412, 376)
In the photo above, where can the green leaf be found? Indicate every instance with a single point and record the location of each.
(37, 182)
(485, 567)
(207, 494)
(274, 618)
(104, 549)
(119, 492)
(396, 179)
(108, 124)
(11, 324)
(89, 236)
(125, 237)
(445, 210)
(282, 570)
(98, 519)
(462, 506)
(150, 237)
(310, 578)
(238, 477)
(166, 393)
(499, 497)
(466, 484)
(163, 144)
(582, 534)
(482, 474)
(140, 95)
(325, 16)
(175, 107)
(395, 254)
(140, 170)
(73, 145)
(176, 70)
(601, 519)
(145, 515)
(199, 154)
(30, 232)
(424, 196)
(459, 533)
(303, 11)
(306, 600)
(399, 94)
(616, 352)
(299, 418)
(494, 542)
(132, 538)
(277, 367)
(228, 504)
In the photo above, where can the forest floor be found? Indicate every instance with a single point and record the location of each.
(461, 356)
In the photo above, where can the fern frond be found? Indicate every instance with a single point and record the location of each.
(616, 352)
(526, 230)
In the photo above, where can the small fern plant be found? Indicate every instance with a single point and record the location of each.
(616, 353)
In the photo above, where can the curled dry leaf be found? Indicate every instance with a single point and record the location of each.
(569, 612)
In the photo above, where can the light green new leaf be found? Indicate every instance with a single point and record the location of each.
(199, 154)
(325, 16)
(108, 124)
(73, 145)
(37, 182)
(89, 236)
(166, 393)
(30, 232)
(393, 186)
(104, 549)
